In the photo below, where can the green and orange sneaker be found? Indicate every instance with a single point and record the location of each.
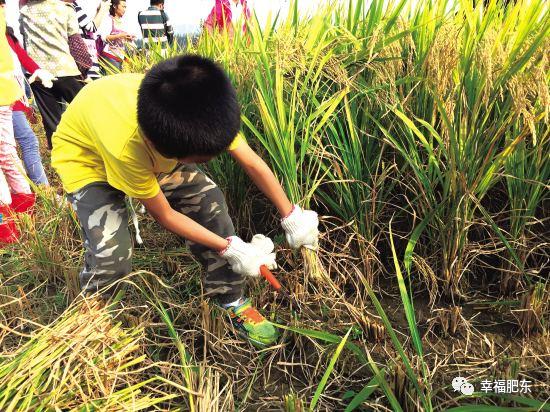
(251, 325)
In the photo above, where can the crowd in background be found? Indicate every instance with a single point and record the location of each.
(64, 47)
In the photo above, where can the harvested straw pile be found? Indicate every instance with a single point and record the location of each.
(83, 361)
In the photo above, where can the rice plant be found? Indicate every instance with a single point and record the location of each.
(527, 172)
(457, 148)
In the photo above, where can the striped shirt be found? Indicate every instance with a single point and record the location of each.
(88, 31)
(155, 27)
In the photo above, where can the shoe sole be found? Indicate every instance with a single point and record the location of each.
(254, 342)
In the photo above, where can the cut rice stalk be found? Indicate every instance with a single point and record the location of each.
(313, 267)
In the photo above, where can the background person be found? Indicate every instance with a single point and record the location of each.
(12, 181)
(115, 36)
(224, 13)
(46, 26)
(155, 26)
(88, 24)
(24, 134)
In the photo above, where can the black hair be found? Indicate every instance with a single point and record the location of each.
(156, 2)
(2, 2)
(113, 7)
(187, 106)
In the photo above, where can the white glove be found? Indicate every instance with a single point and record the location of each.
(45, 77)
(246, 258)
(302, 228)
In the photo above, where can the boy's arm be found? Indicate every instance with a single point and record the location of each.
(301, 226)
(263, 177)
(244, 258)
(182, 225)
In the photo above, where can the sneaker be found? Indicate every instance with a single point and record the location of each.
(8, 229)
(250, 324)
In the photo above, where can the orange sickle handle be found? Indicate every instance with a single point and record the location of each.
(266, 273)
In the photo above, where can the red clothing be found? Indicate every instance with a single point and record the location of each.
(27, 63)
(220, 16)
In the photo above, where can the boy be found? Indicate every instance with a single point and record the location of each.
(141, 136)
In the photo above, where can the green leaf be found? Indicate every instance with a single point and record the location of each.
(487, 408)
(417, 232)
(363, 395)
(326, 375)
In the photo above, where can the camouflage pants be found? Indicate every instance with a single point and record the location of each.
(101, 210)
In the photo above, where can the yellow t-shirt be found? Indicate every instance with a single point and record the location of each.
(10, 91)
(98, 140)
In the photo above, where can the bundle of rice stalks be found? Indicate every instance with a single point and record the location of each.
(448, 321)
(83, 361)
(403, 389)
(216, 395)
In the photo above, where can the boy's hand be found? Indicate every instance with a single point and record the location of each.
(246, 258)
(302, 228)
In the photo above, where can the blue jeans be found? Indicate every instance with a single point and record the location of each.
(28, 141)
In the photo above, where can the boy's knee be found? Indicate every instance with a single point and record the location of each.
(204, 206)
(213, 204)
(111, 248)
(116, 254)
(107, 267)
(213, 213)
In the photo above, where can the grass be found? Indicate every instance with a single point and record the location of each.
(419, 132)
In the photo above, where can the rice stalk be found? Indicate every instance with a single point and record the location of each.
(81, 360)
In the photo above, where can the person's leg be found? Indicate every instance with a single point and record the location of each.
(193, 194)
(9, 159)
(49, 105)
(8, 229)
(68, 87)
(29, 149)
(5, 193)
(50, 101)
(103, 218)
